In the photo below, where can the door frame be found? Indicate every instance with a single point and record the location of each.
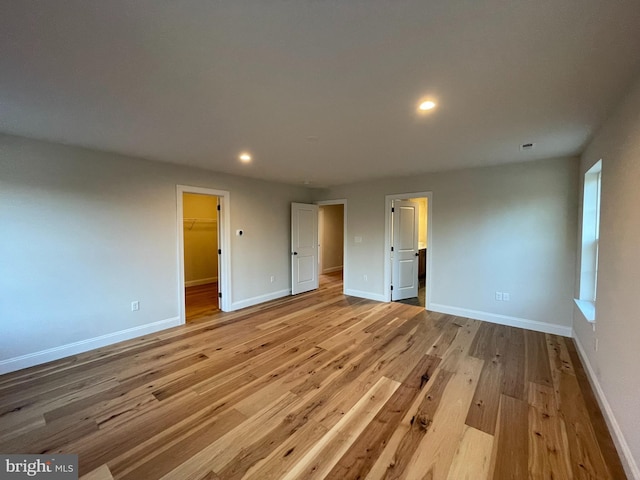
(343, 202)
(224, 226)
(388, 200)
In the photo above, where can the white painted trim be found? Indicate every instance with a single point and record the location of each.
(321, 242)
(368, 295)
(332, 269)
(224, 266)
(340, 201)
(56, 353)
(387, 242)
(202, 281)
(628, 462)
(250, 302)
(503, 319)
(587, 309)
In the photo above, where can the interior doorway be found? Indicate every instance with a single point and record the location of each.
(201, 272)
(331, 237)
(332, 228)
(407, 258)
(203, 255)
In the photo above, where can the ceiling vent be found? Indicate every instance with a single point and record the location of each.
(525, 147)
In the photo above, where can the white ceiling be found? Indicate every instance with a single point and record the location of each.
(196, 82)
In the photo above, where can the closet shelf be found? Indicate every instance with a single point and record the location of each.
(192, 221)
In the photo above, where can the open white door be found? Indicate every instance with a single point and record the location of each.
(304, 247)
(404, 261)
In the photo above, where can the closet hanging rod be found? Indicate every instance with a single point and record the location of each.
(203, 220)
(192, 221)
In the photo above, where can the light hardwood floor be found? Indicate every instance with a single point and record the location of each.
(317, 386)
(201, 301)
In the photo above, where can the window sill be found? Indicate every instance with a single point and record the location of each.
(587, 308)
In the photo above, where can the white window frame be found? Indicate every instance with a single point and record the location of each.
(590, 244)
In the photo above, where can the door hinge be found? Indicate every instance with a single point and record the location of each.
(219, 294)
(219, 252)
(392, 288)
(218, 207)
(393, 209)
(392, 249)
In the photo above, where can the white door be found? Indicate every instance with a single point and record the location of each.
(404, 260)
(304, 247)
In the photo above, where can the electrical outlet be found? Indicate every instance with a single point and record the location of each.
(506, 296)
(365, 278)
(499, 296)
(273, 278)
(595, 344)
(135, 306)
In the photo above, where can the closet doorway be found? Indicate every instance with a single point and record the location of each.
(202, 257)
(332, 251)
(200, 230)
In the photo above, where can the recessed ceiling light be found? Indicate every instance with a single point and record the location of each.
(245, 157)
(427, 105)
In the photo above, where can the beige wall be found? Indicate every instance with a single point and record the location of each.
(85, 233)
(200, 239)
(332, 241)
(617, 328)
(422, 220)
(509, 228)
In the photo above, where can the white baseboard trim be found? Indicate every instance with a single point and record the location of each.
(56, 353)
(202, 281)
(332, 269)
(368, 295)
(628, 462)
(250, 302)
(502, 319)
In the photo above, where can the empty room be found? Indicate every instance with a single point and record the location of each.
(319, 239)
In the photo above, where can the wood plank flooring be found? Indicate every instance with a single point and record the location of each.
(317, 386)
(201, 301)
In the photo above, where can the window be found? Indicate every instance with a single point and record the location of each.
(590, 241)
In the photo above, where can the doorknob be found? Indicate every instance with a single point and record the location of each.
(417, 254)
(295, 253)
